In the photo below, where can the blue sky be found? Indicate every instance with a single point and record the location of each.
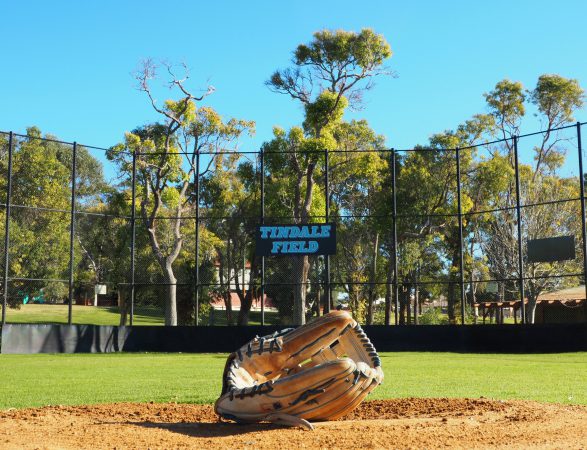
(66, 66)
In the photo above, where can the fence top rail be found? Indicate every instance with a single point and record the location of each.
(203, 217)
(259, 152)
(57, 141)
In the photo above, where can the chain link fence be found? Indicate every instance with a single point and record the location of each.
(425, 236)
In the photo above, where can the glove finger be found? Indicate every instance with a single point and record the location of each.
(347, 396)
(366, 387)
(319, 404)
(294, 391)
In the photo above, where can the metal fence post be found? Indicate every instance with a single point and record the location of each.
(394, 217)
(7, 229)
(582, 185)
(197, 258)
(460, 217)
(262, 218)
(519, 227)
(133, 236)
(72, 233)
(327, 293)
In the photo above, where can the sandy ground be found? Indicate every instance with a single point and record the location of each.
(401, 423)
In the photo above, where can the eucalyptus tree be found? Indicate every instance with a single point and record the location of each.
(331, 72)
(40, 217)
(166, 157)
(556, 99)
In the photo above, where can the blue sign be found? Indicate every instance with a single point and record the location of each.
(292, 240)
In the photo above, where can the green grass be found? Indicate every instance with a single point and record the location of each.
(36, 380)
(103, 315)
(271, 317)
(144, 315)
(95, 315)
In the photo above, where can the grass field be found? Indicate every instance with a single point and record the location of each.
(37, 380)
(95, 315)
(103, 315)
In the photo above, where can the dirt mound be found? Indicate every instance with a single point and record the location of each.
(400, 423)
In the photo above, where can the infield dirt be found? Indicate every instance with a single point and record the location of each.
(400, 423)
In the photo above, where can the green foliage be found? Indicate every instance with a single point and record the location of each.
(327, 109)
(557, 98)
(39, 238)
(341, 62)
(506, 104)
(365, 49)
(432, 316)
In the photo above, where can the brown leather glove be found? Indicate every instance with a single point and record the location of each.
(317, 372)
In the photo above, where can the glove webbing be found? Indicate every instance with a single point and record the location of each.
(274, 344)
(357, 343)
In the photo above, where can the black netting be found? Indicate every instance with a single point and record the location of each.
(199, 264)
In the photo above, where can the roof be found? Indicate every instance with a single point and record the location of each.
(573, 296)
(573, 293)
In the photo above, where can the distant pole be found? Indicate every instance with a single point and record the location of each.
(582, 185)
(328, 292)
(519, 221)
(394, 217)
(133, 212)
(460, 217)
(72, 233)
(197, 259)
(7, 229)
(262, 220)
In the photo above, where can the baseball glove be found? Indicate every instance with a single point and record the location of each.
(317, 372)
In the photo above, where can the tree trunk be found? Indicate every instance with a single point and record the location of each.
(303, 204)
(122, 306)
(402, 305)
(452, 291)
(228, 306)
(531, 308)
(416, 302)
(247, 300)
(300, 289)
(388, 293)
(246, 303)
(372, 282)
(223, 268)
(355, 303)
(450, 302)
(171, 303)
(409, 304)
(319, 301)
